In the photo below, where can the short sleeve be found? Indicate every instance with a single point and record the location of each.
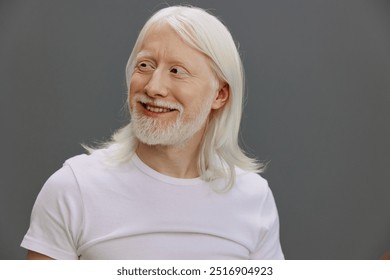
(269, 247)
(56, 217)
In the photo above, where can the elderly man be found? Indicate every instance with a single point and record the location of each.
(173, 183)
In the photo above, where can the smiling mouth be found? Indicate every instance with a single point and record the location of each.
(156, 109)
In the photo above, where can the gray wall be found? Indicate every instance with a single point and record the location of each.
(318, 83)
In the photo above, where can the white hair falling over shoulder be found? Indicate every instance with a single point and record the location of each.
(220, 153)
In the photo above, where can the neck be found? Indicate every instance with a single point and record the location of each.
(179, 161)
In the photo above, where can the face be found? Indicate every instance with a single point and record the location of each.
(172, 89)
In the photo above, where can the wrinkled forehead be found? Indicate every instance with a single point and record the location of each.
(183, 31)
(163, 31)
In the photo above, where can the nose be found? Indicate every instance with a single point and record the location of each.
(157, 85)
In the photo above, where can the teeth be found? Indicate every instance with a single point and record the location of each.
(157, 110)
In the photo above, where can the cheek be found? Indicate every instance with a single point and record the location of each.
(137, 82)
(134, 86)
(130, 100)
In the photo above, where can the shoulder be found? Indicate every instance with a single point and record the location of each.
(65, 181)
(97, 172)
(95, 164)
(251, 182)
(61, 183)
(56, 217)
(93, 160)
(59, 200)
(256, 191)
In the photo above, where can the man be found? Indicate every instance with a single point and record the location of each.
(173, 183)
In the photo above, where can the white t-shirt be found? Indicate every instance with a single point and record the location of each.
(89, 210)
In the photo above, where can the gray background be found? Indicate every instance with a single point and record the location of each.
(318, 84)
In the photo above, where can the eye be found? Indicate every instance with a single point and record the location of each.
(178, 70)
(145, 66)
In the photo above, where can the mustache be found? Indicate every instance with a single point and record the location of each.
(158, 102)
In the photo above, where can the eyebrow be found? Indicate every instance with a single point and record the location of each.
(144, 54)
(173, 59)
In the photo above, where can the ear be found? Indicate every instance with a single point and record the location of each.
(222, 96)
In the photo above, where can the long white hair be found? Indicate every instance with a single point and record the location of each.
(220, 153)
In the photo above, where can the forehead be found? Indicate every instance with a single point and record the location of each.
(162, 39)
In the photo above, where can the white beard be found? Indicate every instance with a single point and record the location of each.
(153, 131)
